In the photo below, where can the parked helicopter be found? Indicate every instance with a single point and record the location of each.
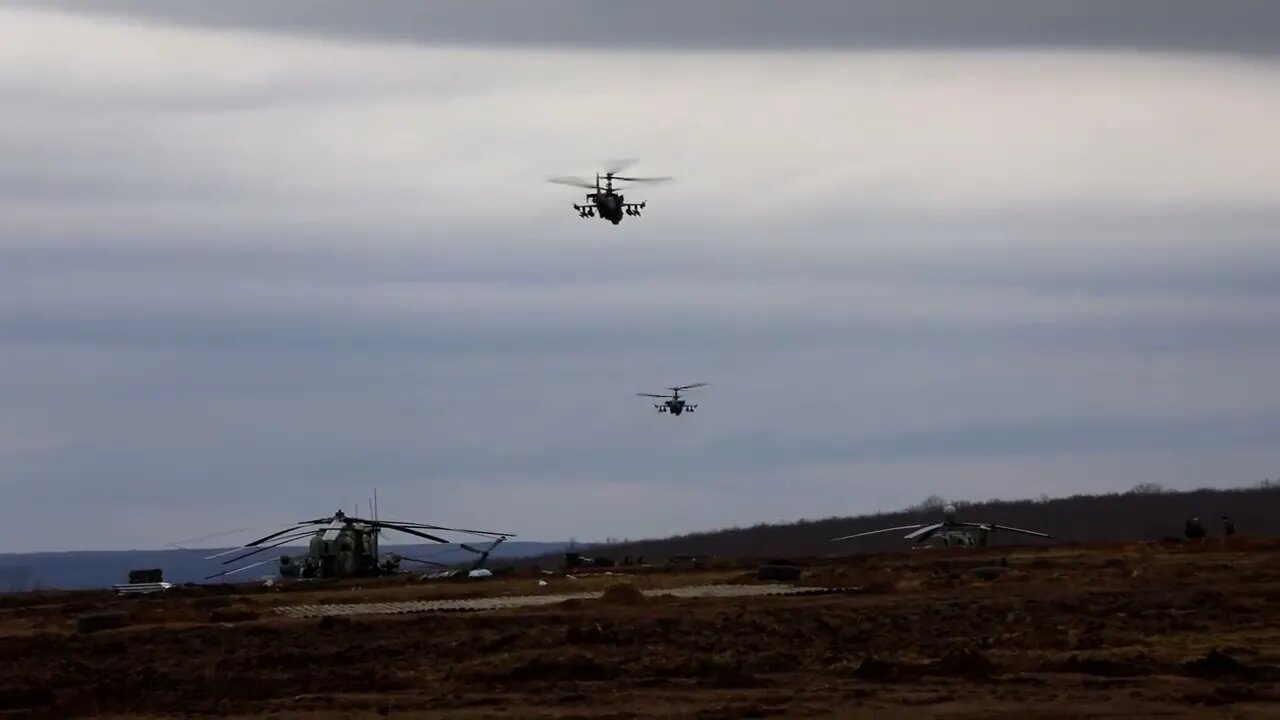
(674, 403)
(343, 546)
(610, 204)
(949, 531)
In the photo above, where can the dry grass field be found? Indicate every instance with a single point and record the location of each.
(1103, 631)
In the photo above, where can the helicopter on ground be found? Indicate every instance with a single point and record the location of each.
(949, 531)
(674, 404)
(610, 204)
(345, 546)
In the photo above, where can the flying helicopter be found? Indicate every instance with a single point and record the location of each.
(610, 204)
(343, 546)
(674, 404)
(949, 531)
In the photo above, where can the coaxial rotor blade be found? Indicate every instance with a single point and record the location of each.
(576, 182)
(688, 387)
(652, 395)
(875, 532)
(617, 165)
(643, 179)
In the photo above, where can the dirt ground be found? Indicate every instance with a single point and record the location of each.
(1118, 631)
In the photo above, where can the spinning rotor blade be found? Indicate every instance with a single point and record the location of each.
(652, 395)
(924, 532)
(576, 182)
(875, 532)
(688, 387)
(617, 165)
(643, 179)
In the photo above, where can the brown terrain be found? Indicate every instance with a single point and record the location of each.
(1119, 630)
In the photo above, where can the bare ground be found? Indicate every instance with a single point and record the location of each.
(1115, 631)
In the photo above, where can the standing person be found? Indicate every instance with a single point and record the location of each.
(1228, 529)
(1195, 530)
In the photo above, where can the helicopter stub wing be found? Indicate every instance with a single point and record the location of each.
(875, 532)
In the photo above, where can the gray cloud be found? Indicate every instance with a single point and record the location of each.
(1246, 26)
(267, 274)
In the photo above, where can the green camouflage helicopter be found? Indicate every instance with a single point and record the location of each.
(344, 546)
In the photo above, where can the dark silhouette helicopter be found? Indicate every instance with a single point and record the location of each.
(610, 204)
(674, 403)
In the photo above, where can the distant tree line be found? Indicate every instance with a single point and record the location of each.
(1146, 511)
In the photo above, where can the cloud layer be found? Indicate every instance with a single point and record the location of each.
(254, 267)
(1245, 26)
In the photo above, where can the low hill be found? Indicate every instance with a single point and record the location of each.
(1145, 512)
(87, 569)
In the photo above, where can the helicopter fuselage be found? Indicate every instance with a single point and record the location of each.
(610, 205)
(675, 407)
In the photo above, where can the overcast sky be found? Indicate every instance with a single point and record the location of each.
(257, 259)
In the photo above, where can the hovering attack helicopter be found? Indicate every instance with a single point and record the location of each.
(950, 532)
(674, 404)
(610, 204)
(345, 546)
